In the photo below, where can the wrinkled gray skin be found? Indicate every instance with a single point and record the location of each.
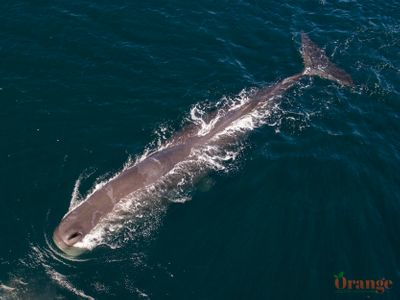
(81, 220)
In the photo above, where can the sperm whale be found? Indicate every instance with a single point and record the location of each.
(79, 222)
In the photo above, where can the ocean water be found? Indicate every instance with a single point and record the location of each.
(312, 189)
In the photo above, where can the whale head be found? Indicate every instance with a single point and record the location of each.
(69, 234)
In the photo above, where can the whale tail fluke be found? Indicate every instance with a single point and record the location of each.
(316, 63)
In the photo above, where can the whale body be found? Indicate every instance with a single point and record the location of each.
(78, 222)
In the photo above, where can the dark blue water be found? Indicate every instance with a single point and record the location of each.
(84, 85)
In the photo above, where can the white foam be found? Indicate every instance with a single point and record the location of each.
(197, 114)
(76, 196)
(26, 288)
(63, 281)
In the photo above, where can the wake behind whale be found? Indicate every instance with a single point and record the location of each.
(187, 155)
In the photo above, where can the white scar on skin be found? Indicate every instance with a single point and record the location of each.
(110, 194)
(156, 160)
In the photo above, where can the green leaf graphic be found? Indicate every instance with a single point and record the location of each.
(341, 274)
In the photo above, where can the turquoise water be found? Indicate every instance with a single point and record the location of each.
(86, 85)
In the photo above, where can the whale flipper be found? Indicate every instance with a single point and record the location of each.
(316, 63)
